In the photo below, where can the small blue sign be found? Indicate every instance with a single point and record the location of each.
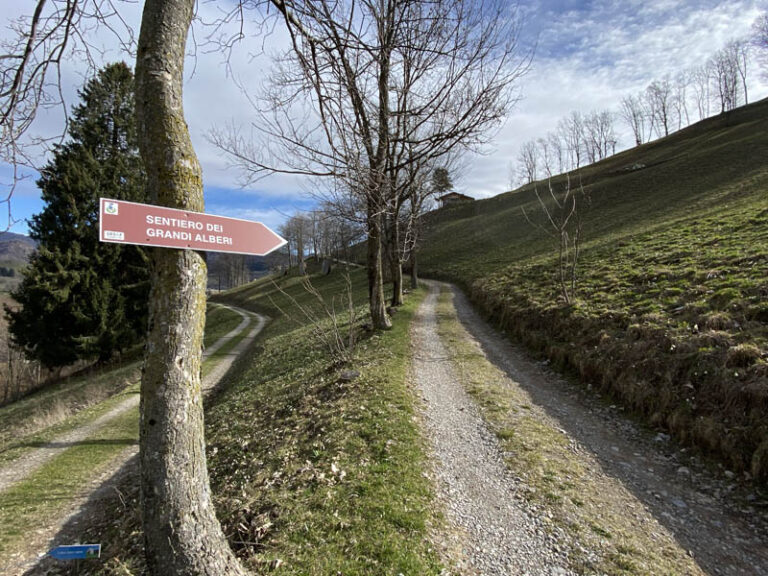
(76, 552)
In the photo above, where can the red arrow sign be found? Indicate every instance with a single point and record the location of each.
(132, 223)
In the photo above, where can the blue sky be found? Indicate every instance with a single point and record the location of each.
(588, 55)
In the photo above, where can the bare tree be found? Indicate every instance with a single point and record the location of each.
(659, 99)
(315, 231)
(234, 267)
(425, 186)
(301, 227)
(728, 71)
(738, 51)
(599, 135)
(701, 82)
(633, 112)
(31, 60)
(563, 210)
(527, 160)
(181, 532)
(556, 155)
(680, 99)
(343, 225)
(286, 231)
(339, 340)
(571, 131)
(389, 84)
(548, 161)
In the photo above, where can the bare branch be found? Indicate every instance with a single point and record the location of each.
(31, 62)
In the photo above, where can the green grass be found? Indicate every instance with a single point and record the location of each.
(566, 487)
(212, 361)
(219, 321)
(670, 315)
(61, 407)
(18, 447)
(53, 486)
(76, 401)
(320, 474)
(339, 464)
(37, 499)
(274, 299)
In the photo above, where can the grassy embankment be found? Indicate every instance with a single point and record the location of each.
(671, 315)
(219, 322)
(51, 412)
(310, 472)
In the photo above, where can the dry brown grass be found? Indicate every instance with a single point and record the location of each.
(742, 355)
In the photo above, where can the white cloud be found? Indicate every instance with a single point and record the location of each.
(588, 59)
(270, 217)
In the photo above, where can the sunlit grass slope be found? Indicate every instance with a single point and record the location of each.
(671, 314)
(312, 473)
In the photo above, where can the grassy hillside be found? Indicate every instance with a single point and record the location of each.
(15, 250)
(312, 472)
(671, 314)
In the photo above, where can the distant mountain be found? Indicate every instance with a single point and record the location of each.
(16, 248)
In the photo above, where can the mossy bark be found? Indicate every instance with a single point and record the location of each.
(396, 265)
(379, 318)
(181, 532)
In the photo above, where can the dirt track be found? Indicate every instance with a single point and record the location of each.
(50, 535)
(702, 510)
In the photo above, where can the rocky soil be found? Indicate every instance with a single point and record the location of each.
(720, 520)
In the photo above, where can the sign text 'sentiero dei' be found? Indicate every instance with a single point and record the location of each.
(132, 223)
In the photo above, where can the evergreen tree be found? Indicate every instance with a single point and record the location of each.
(441, 180)
(82, 299)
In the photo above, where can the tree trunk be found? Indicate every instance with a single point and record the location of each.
(377, 196)
(302, 264)
(414, 270)
(396, 266)
(181, 532)
(379, 317)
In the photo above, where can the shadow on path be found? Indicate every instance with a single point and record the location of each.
(722, 523)
(71, 532)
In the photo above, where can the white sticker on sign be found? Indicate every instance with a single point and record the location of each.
(113, 235)
(111, 208)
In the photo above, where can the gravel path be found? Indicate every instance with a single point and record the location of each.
(18, 469)
(497, 532)
(226, 360)
(720, 520)
(33, 561)
(22, 467)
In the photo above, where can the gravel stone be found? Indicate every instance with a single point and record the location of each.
(502, 535)
(721, 535)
